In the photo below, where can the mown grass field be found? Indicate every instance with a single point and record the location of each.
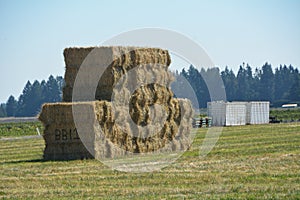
(248, 162)
(20, 129)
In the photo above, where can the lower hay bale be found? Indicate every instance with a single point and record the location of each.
(65, 141)
(62, 141)
(140, 141)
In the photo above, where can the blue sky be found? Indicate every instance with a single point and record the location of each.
(34, 33)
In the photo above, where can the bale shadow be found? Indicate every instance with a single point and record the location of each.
(23, 161)
(43, 160)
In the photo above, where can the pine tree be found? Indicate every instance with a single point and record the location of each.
(199, 86)
(3, 110)
(11, 106)
(256, 85)
(266, 83)
(34, 105)
(241, 84)
(282, 84)
(294, 93)
(52, 90)
(214, 83)
(230, 83)
(22, 109)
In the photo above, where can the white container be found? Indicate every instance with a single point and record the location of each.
(236, 113)
(258, 112)
(217, 111)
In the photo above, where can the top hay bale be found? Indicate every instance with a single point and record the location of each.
(115, 61)
(122, 56)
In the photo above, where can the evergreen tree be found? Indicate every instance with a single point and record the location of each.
(22, 109)
(294, 92)
(30, 100)
(52, 89)
(282, 84)
(230, 83)
(214, 83)
(281, 88)
(181, 88)
(199, 86)
(184, 74)
(245, 82)
(35, 102)
(266, 87)
(61, 83)
(3, 110)
(250, 89)
(11, 106)
(256, 85)
(242, 84)
(33, 96)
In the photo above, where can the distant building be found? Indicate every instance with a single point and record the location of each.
(289, 105)
(238, 113)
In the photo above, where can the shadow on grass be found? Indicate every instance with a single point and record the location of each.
(40, 160)
(24, 161)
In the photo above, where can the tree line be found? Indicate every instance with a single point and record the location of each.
(261, 84)
(32, 97)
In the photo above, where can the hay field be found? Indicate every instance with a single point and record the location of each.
(248, 162)
(13, 129)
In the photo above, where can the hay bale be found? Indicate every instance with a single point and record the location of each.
(118, 60)
(127, 57)
(175, 129)
(63, 141)
(60, 134)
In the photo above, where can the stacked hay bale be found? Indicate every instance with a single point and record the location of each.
(60, 134)
(127, 137)
(117, 97)
(123, 59)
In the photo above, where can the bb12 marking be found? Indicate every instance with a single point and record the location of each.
(66, 134)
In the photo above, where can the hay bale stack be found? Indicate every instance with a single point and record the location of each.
(117, 61)
(143, 116)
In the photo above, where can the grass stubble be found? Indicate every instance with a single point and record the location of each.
(248, 162)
